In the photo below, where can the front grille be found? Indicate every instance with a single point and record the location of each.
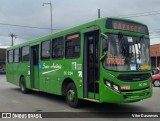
(134, 77)
(135, 89)
(138, 94)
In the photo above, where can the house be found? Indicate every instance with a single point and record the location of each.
(155, 55)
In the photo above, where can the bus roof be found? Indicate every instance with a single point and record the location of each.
(71, 30)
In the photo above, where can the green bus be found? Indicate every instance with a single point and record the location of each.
(105, 61)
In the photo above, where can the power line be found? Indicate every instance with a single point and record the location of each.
(153, 33)
(138, 13)
(127, 16)
(155, 30)
(33, 27)
(154, 37)
(148, 13)
(143, 15)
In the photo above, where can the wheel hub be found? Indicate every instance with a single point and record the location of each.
(71, 95)
(157, 83)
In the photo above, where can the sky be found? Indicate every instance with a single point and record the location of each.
(69, 13)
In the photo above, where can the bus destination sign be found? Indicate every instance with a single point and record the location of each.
(74, 36)
(126, 26)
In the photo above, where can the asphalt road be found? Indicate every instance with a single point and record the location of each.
(12, 100)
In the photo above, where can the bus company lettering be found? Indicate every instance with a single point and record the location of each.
(54, 66)
(68, 73)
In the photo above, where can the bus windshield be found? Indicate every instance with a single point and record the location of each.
(126, 53)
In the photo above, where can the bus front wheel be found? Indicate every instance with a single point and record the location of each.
(72, 96)
(23, 85)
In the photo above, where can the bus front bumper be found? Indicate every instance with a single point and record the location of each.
(111, 96)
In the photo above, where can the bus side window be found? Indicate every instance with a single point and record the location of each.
(16, 55)
(58, 48)
(72, 46)
(25, 53)
(45, 50)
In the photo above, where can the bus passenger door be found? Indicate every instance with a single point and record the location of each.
(34, 71)
(91, 65)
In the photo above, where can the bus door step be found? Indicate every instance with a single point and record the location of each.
(92, 100)
(37, 90)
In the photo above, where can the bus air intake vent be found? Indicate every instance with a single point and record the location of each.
(134, 77)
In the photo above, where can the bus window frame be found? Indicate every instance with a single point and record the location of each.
(21, 57)
(72, 40)
(18, 57)
(8, 56)
(42, 59)
(60, 58)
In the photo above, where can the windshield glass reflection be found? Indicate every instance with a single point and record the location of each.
(126, 53)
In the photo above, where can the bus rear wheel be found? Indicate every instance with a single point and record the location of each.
(23, 85)
(72, 96)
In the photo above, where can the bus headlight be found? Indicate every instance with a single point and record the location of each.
(108, 84)
(115, 87)
(112, 86)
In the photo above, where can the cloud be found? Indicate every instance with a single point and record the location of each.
(68, 13)
(5, 40)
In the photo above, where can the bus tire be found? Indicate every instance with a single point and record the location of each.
(23, 85)
(72, 96)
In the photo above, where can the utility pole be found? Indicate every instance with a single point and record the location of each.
(156, 59)
(99, 13)
(50, 3)
(13, 37)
